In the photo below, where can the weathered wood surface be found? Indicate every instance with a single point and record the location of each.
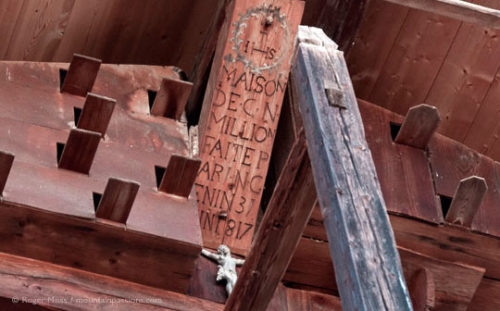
(171, 98)
(419, 125)
(360, 237)
(6, 160)
(117, 200)
(96, 113)
(45, 284)
(81, 75)
(458, 9)
(279, 233)
(466, 201)
(240, 114)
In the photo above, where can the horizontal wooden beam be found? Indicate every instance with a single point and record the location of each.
(457, 9)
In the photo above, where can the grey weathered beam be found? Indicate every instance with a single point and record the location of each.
(457, 9)
(367, 264)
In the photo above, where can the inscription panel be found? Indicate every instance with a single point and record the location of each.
(240, 117)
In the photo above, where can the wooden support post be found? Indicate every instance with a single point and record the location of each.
(279, 233)
(171, 99)
(81, 75)
(367, 264)
(6, 160)
(117, 200)
(467, 200)
(179, 175)
(460, 10)
(79, 150)
(240, 115)
(96, 113)
(422, 290)
(418, 126)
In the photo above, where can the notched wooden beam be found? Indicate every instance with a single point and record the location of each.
(171, 99)
(117, 200)
(79, 150)
(179, 175)
(467, 200)
(6, 160)
(418, 126)
(96, 113)
(81, 75)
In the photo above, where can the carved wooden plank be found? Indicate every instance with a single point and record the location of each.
(240, 116)
(422, 290)
(96, 113)
(6, 160)
(79, 150)
(180, 175)
(418, 126)
(81, 75)
(171, 99)
(278, 235)
(361, 240)
(117, 200)
(65, 288)
(461, 10)
(466, 201)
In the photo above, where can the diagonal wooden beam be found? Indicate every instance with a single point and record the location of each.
(457, 9)
(362, 246)
(279, 233)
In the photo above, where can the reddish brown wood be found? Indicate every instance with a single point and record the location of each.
(96, 113)
(67, 288)
(422, 290)
(278, 235)
(466, 201)
(171, 99)
(418, 126)
(487, 296)
(79, 151)
(6, 160)
(180, 175)
(117, 200)
(81, 75)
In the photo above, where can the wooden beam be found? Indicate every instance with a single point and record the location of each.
(6, 160)
(79, 150)
(361, 240)
(180, 175)
(467, 200)
(117, 200)
(81, 75)
(420, 123)
(96, 113)
(65, 288)
(422, 290)
(171, 99)
(278, 235)
(457, 9)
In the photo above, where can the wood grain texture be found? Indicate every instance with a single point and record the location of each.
(96, 113)
(117, 200)
(180, 175)
(466, 201)
(278, 235)
(81, 75)
(79, 150)
(354, 215)
(65, 288)
(6, 160)
(461, 10)
(419, 125)
(171, 99)
(422, 290)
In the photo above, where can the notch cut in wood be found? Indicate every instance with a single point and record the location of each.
(96, 113)
(418, 126)
(179, 175)
(334, 96)
(467, 200)
(117, 200)
(79, 150)
(422, 290)
(171, 99)
(81, 75)
(6, 161)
